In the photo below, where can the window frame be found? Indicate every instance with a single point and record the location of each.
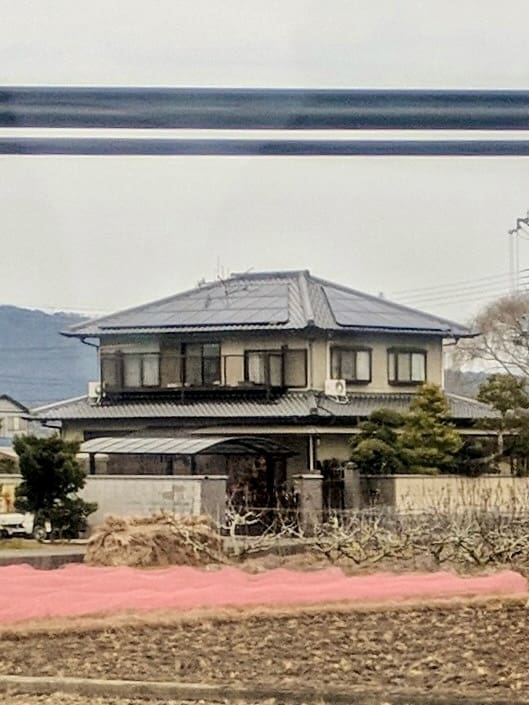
(116, 359)
(141, 355)
(270, 352)
(184, 360)
(352, 349)
(286, 351)
(410, 351)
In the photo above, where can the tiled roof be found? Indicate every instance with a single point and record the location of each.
(269, 301)
(287, 406)
(294, 406)
(363, 404)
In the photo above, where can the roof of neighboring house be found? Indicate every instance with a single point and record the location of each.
(8, 452)
(10, 405)
(292, 301)
(298, 406)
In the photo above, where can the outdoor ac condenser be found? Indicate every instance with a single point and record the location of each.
(94, 390)
(336, 388)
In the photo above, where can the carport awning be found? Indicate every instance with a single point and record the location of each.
(186, 445)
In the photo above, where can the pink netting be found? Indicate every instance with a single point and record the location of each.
(26, 593)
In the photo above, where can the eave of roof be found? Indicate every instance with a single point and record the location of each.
(299, 407)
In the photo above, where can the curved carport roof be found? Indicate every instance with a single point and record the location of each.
(186, 445)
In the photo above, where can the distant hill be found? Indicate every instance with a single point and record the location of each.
(466, 384)
(37, 365)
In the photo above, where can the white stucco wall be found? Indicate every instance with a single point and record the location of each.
(448, 492)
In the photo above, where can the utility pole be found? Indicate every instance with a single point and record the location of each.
(514, 251)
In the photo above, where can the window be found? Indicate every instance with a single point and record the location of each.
(14, 424)
(296, 368)
(111, 370)
(201, 363)
(141, 370)
(406, 366)
(351, 364)
(264, 367)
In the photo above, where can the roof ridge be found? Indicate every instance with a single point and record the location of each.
(306, 303)
(270, 274)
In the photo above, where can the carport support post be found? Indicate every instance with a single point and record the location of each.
(308, 488)
(351, 487)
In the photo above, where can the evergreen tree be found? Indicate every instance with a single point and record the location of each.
(375, 450)
(508, 395)
(51, 477)
(429, 442)
(504, 393)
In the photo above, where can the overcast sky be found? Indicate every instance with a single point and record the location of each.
(98, 234)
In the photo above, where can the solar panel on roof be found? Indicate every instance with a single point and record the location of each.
(228, 303)
(351, 309)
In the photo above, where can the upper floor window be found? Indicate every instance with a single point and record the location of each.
(277, 368)
(406, 366)
(264, 367)
(201, 363)
(141, 370)
(351, 364)
(296, 368)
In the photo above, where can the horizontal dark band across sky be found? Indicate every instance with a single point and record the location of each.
(246, 147)
(282, 109)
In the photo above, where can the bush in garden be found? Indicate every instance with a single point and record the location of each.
(376, 449)
(51, 478)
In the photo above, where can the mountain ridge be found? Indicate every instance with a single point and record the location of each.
(37, 364)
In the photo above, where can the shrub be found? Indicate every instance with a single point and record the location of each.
(376, 448)
(51, 477)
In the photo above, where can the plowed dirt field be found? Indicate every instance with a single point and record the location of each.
(467, 647)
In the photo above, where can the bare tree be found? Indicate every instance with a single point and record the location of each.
(503, 339)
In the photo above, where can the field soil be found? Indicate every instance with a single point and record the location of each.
(468, 647)
(67, 699)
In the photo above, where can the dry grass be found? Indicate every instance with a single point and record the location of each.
(18, 544)
(156, 541)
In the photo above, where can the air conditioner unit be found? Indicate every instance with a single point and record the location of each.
(94, 391)
(336, 388)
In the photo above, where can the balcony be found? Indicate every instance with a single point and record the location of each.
(173, 375)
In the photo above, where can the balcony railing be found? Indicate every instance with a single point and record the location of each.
(169, 373)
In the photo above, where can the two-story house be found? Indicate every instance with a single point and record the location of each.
(283, 356)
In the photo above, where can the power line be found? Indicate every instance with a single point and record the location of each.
(465, 296)
(462, 291)
(469, 299)
(454, 284)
